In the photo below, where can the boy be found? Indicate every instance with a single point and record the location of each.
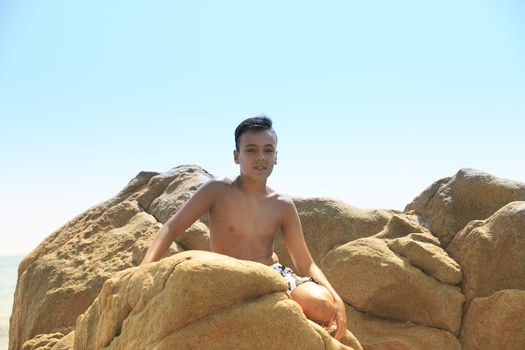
(245, 214)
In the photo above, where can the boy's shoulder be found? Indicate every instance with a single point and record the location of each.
(280, 199)
(219, 185)
(220, 181)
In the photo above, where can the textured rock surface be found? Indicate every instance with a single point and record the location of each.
(328, 223)
(389, 267)
(380, 334)
(451, 203)
(197, 300)
(492, 252)
(370, 277)
(43, 342)
(495, 322)
(428, 257)
(60, 279)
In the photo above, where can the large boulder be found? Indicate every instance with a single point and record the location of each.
(451, 203)
(328, 223)
(198, 300)
(495, 322)
(428, 257)
(373, 279)
(60, 278)
(397, 281)
(375, 333)
(491, 252)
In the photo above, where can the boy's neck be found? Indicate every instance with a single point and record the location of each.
(252, 188)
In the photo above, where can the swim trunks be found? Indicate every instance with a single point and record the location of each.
(293, 280)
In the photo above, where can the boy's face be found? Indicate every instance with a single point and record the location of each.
(257, 153)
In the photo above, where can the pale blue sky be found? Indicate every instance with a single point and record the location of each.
(372, 101)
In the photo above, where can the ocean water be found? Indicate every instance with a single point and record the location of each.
(8, 275)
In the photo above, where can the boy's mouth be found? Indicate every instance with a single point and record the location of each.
(260, 167)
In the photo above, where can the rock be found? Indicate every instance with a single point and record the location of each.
(386, 264)
(491, 252)
(43, 342)
(371, 278)
(495, 322)
(451, 203)
(197, 237)
(381, 334)
(328, 223)
(401, 225)
(66, 343)
(53, 341)
(181, 183)
(60, 278)
(197, 300)
(429, 258)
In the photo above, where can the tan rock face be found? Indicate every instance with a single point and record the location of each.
(43, 342)
(228, 303)
(389, 268)
(451, 203)
(328, 223)
(376, 333)
(370, 277)
(495, 322)
(60, 279)
(428, 257)
(492, 252)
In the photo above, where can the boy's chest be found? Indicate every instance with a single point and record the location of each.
(243, 218)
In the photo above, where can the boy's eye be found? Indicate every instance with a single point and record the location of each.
(269, 151)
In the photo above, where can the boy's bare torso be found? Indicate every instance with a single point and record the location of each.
(244, 226)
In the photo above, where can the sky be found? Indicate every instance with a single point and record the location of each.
(372, 101)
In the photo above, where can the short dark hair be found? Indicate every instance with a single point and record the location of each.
(258, 123)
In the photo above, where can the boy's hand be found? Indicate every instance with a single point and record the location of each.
(339, 318)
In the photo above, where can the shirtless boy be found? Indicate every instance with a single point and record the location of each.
(244, 216)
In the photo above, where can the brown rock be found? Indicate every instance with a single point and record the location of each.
(328, 223)
(451, 203)
(42, 342)
(492, 252)
(66, 343)
(371, 278)
(428, 257)
(406, 303)
(495, 322)
(197, 300)
(181, 183)
(381, 334)
(60, 279)
(401, 225)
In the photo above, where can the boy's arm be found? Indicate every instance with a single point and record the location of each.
(303, 262)
(193, 209)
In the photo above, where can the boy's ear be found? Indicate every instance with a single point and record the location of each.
(275, 160)
(236, 156)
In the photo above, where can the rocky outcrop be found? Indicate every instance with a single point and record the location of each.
(373, 279)
(328, 223)
(60, 279)
(375, 333)
(197, 300)
(495, 322)
(492, 252)
(451, 203)
(403, 276)
(428, 257)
